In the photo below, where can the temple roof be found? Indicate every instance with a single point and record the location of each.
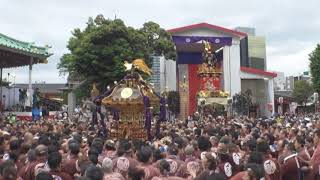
(15, 53)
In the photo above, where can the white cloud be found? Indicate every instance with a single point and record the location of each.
(291, 64)
(291, 27)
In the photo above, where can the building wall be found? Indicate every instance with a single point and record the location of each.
(155, 78)
(289, 83)
(256, 48)
(164, 74)
(257, 52)
(231, 69)
(168, 78)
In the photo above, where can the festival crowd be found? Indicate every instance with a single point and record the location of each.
(286, 148)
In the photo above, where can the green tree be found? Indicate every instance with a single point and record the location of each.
(4, 83)
(241, 102)
(97, 52)
(159, 40)
(302, 91)
(314, 58)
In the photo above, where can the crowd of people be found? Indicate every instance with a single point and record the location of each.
(210, 148)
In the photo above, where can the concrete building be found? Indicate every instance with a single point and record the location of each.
(256, 48)
(290, 80)
(155, 78)
(306, 76)
(289, 85)
(164, 74)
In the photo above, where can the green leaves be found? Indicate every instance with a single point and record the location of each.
(314, 58)
(97, 52)
(241, 102)
(159, 40)
(302, 91)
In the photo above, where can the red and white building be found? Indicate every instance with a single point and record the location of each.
(232, 56)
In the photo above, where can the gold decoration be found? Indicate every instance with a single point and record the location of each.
(209, 71)
(207, 47)
(127, 96)
(224, 94)
(138, 64)
(126, 92)
(216, 93)
(94, 92)
(204, 93)
(205, 69)
(128, 129)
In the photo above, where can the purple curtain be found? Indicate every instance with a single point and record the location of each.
(195, 57)
(224, 41)
(116, 115)
(147, 114)
(162, 116)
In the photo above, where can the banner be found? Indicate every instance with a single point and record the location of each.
(223, 41)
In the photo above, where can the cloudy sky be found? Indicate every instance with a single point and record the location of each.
(291, 27)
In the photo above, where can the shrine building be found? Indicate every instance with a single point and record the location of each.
(231, 50)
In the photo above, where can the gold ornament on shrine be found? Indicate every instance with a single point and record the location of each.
(209, 71)
(127, 97)
(94, 91)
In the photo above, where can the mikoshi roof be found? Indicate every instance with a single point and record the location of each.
(15, 53)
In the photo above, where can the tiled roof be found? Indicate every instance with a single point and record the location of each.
(25, 47)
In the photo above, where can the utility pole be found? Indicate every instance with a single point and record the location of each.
(9, 96)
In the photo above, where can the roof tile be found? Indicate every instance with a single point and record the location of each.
(12, 43)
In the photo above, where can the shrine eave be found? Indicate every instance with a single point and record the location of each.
(16, 53)
(208, 26)
(257, 71)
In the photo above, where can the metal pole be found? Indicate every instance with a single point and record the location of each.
(9, 98)
(14, 90)
(30, 81)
